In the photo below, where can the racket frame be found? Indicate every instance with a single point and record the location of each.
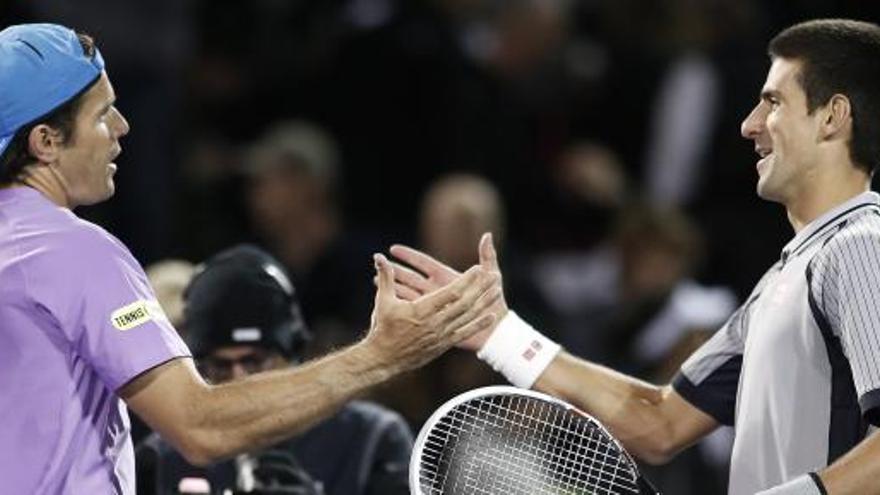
(496, 390)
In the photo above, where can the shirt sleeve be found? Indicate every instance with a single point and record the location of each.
(845, 283)
(710, 377)
(104, 307)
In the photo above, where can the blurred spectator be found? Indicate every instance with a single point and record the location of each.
(687, 107)
(660, 306)
(455, 211)
(587, 185)
(632, 303)
(474, 84)
(242, 317)
(169, 278)
(291, 196)
(593, 174)
(639, 280)
(519, 37)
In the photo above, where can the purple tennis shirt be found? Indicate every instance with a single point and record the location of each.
(78, 320)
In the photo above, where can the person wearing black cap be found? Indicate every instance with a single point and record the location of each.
(242, 316)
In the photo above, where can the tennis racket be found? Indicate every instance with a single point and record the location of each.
(508, 441)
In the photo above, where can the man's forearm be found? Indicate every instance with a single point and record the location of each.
(206, 423)
(263, 409)
(211, 422)
(652, 422)
(857, 472)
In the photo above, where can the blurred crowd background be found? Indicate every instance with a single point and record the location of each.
(598, 139)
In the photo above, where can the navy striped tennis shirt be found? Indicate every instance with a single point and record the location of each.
(796, 369)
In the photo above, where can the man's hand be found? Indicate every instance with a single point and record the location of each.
(411, 331)
(431, 276)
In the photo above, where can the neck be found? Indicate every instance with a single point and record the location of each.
(825, 195)
(47, 181)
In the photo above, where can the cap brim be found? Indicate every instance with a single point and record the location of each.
(4, 142)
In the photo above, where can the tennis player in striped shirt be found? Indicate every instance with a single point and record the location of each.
(796, 369)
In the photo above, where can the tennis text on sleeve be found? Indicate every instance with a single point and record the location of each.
(136, 314)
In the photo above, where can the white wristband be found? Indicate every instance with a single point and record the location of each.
(518, 351)
(802, 485)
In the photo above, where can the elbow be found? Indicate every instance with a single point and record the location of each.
(202, 448)
(656, 455)
(196, 437)
(656, 449)
(199, 458)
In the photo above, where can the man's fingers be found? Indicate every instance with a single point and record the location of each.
(437, 300)
(413, 279)
(384, 277)
(482, 323)
(467, 297)
(423, 262)
(406, 293)
(488, 256)
(475, 310)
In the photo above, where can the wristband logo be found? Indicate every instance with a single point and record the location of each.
(135, 314)
(532, 351)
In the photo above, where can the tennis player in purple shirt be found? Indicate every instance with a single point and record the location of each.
(81, 335)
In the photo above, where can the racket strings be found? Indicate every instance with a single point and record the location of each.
(573, 466)
(544, 451)
(518, 445)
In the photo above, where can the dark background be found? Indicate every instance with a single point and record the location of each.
(416, 89)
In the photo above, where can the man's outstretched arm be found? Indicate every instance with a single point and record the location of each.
(652, 422)
(207, 423)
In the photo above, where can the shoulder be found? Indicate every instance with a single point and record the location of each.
(849, 255)
(65, 257)
(861, 227)
(59, 233)
(85, 234)
(854, 240)
(85, 248)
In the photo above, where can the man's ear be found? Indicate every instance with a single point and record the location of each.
(44, 143)
(837, 118)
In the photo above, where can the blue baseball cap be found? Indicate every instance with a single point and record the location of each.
(42, 66)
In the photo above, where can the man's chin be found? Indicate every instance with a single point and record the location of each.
(96, 198)
(768, 193)
(110, 191)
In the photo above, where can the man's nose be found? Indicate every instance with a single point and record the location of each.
(122, 126)
(753, 124)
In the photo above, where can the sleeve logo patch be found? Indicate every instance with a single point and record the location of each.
(135, 314)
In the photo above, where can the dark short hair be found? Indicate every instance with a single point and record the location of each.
(840, 56)
(63, 119)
